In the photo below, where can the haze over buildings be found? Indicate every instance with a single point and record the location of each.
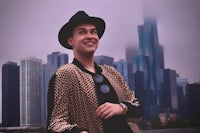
(30, 28)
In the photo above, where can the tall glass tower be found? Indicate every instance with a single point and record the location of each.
(30, 92)
(181, 90)
(150, 61)
(102, 59)
(54, 61)
(169, 90)
(10, 95)
(126, 69)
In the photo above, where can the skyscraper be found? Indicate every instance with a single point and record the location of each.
(192, 101)
(182, 82)
(30, 91)
(130, 52)
(102, 59)
(150, 61)
(181, 92)
(54, 61)
(10, 95)
(169, 90)
(126, 69)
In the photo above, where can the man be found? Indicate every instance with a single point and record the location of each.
(84, 97)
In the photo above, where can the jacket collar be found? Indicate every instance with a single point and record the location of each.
(80, 66)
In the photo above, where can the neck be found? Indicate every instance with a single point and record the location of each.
(87, 62)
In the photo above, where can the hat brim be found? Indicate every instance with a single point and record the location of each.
(66, 31)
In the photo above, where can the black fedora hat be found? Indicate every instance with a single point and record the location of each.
(79, 18)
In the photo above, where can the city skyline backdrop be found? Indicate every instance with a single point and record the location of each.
(30, 28)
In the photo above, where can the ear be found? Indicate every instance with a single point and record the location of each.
(69, 41)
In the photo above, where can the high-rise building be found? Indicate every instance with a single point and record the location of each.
(169, 90)
(139, 87)
(126, 69)
(142, 65)
(54, 61)
(102, 59)
(130, 52)
(181, 92)
(10, 95)
(30, 91)
(161, 51)
(183, 82)
(192, 101)
(143, 89)
(150, 61)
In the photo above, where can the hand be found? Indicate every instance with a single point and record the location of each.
(108, 110)
(84, 132)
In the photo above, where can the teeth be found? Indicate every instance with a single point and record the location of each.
(89, 43)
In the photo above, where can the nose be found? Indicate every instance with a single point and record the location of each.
(89, 35)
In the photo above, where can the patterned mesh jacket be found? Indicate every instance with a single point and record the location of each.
(69, 108)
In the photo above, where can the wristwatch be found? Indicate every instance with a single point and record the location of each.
(125, 108)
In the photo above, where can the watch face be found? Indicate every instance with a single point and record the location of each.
(125, 109)
(123, 106)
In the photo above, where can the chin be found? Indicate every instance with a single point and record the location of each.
(91, 49)
(90, 52)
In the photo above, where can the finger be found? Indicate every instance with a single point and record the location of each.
(100, 111)
(104, 114)
(101, 108)
(108, 115)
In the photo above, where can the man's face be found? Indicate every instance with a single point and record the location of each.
(85, 39)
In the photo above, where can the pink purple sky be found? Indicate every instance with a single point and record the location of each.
(30, 28)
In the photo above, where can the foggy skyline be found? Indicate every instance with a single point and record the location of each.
(30, 28)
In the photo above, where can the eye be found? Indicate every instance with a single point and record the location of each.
(82, 32)
(94, 32)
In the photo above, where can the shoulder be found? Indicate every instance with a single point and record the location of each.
(111, 71)
(108, 68)
(65, 69)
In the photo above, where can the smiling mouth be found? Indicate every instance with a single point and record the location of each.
(89, 43)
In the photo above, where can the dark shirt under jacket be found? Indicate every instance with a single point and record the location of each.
(116, 124)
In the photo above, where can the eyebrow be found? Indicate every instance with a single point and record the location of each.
(86, 29)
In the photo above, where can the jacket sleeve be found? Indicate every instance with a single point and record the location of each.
(57, 103)
(135, 110)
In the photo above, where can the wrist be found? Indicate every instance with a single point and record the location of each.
(124, 107)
